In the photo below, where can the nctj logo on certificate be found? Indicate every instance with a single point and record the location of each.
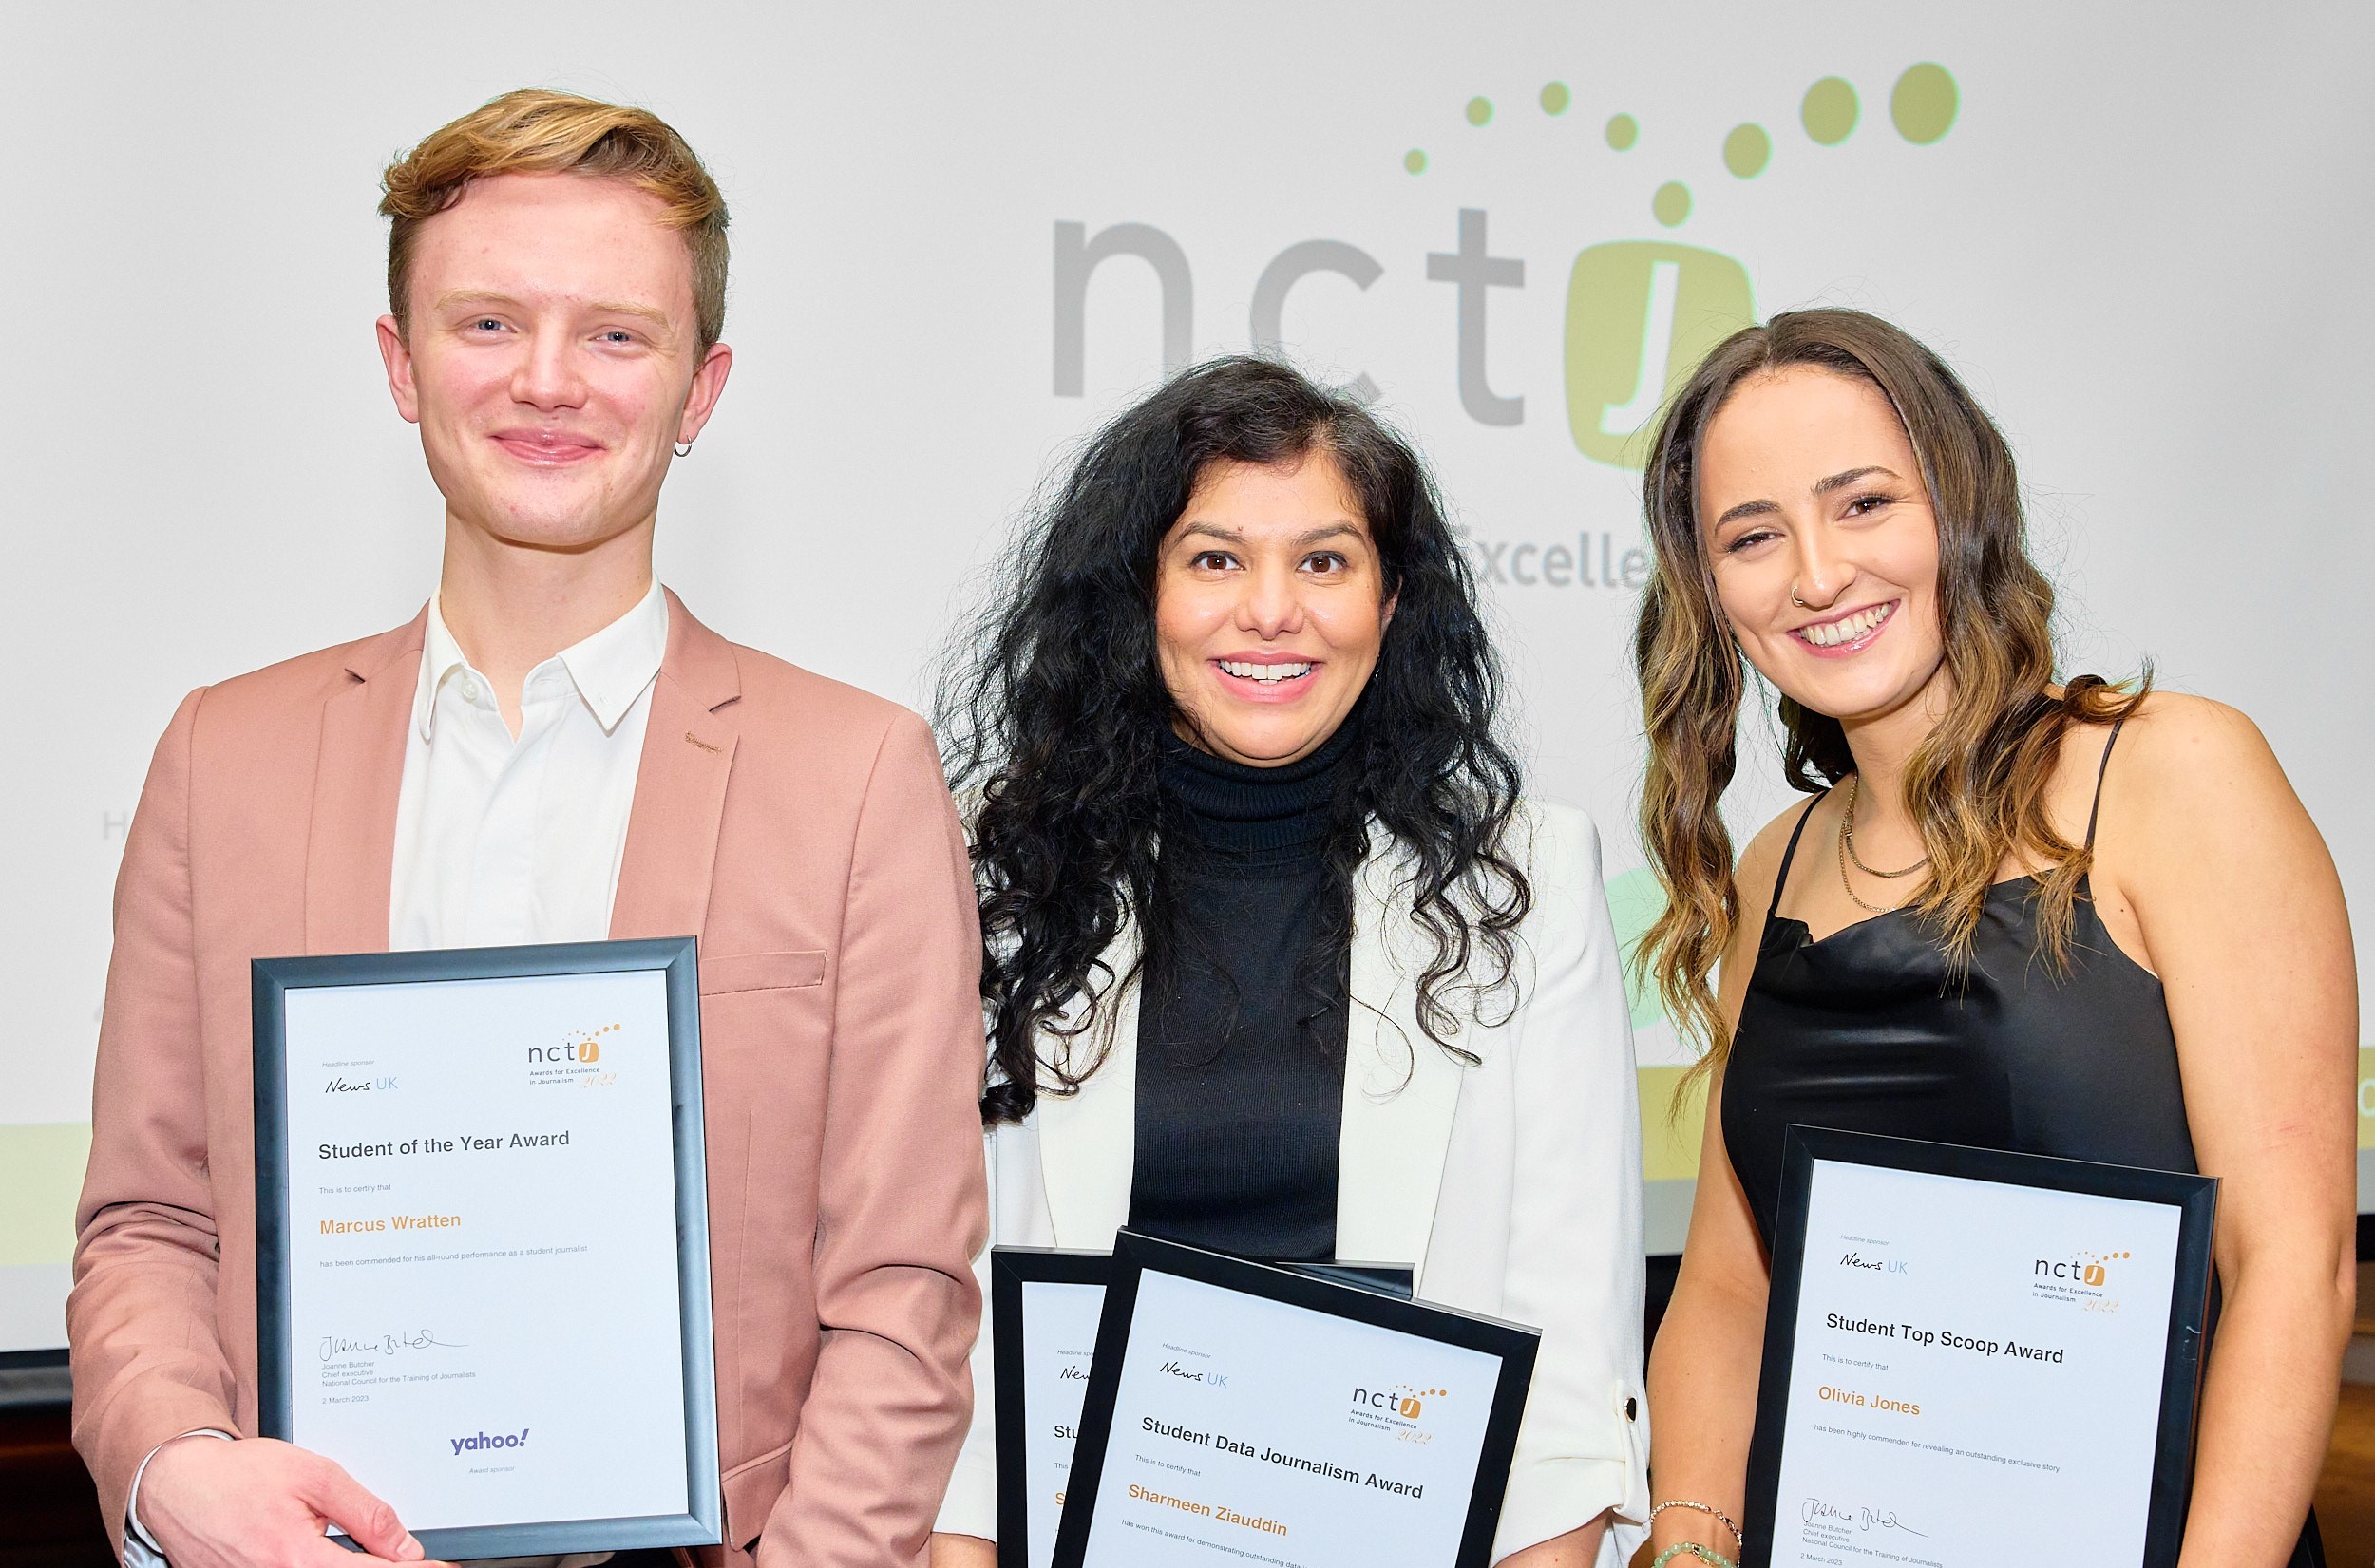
(2084, 1278)
(576, 1061)
(1396, 1409)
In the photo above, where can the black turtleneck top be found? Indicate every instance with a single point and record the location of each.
(1241, 1030)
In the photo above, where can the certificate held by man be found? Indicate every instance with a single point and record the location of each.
(1974, 1358)
(484, 1258)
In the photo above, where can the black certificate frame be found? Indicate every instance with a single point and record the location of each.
(1013, 1269)
(676, 959)
(1135, 1256)
(2194, 1197)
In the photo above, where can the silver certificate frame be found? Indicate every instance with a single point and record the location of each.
(672, 962)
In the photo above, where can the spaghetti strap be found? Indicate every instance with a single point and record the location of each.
(1781, 877)
(2103, 772)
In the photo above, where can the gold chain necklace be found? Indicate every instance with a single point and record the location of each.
(1847, 852)
(1847, 837)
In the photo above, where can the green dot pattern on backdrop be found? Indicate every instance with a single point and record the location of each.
(1624, 130)
(1924, 103)
(1480, 111)
(1672, 204)
(1555, 97)
(1414, 160)
(1747, 150)
(1828, 111)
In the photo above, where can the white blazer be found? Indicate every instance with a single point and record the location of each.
(1514, 1184)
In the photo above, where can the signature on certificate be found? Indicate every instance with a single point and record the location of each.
(335, 1346)
(1815, 1511)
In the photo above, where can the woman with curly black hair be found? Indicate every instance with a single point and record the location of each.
(1276, 958)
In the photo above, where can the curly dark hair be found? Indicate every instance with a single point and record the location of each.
(1053, 711)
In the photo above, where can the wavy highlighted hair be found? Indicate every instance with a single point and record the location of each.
(1975, 785)
(533, 130)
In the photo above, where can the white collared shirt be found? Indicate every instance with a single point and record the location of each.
(501, 841)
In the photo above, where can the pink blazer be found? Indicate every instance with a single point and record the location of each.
(802, 830)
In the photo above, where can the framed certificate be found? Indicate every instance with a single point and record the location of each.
(1238, 1411)
(482, 1240)
(1043, 1329)
(1969, 1352)
(1044, 1307)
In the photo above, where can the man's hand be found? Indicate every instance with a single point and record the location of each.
(260, 1503)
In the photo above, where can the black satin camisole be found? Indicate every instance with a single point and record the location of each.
(1867, 1030)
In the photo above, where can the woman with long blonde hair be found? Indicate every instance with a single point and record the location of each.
(1986, 926)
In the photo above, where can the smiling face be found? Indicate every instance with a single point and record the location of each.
(1808, 486)
(1270, 609)
(552, 358)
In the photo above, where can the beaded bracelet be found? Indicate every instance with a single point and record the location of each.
(1705, 1554)
(1720, 1517)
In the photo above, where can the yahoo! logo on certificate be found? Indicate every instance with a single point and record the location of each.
(485, 1440)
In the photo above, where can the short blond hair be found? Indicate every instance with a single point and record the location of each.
(535, 131)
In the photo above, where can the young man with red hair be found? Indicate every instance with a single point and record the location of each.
(554, 749)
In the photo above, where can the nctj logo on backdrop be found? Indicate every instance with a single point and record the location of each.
(1640, 316)
(1640, 313)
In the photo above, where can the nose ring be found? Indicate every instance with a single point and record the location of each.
(1794, 599)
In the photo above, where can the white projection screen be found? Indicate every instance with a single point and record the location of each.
(965, 234)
